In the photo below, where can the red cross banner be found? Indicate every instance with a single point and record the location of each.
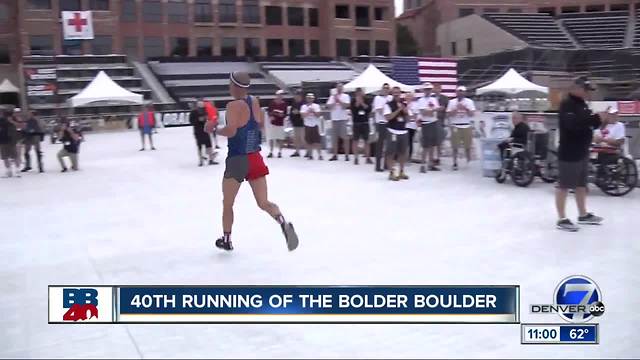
(77, 25)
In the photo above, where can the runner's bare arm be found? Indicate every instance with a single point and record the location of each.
(257, 111)
(233, 112)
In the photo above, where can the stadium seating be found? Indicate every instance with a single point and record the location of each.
(74, 73)
(534, 28)
(292, 74)
(188, 81)
(636, 37)
(598, 30)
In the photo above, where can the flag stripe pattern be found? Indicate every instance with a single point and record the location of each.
(418, 70)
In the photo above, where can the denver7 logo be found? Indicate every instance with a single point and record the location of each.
(82, 304)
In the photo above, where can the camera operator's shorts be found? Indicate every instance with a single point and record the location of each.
(397, 144)
(245, 167)
(573, 174)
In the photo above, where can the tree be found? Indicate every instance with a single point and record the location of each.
(407, 45)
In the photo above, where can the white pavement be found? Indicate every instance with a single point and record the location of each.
(132, 217)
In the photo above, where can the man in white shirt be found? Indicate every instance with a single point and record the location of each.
(429, 127)
(461, 111)
(310, 112)
(339, 104)
(379, 103)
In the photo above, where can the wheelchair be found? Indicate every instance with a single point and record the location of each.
(524, 163)
(609, 169)
(517, 163)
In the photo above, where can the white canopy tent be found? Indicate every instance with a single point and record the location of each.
(371, 80)
(102, 88)
(7, 87)
(512, 83)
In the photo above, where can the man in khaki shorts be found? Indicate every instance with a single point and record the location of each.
(461, 111)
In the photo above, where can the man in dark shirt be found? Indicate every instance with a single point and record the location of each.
(360, 112)
(519, 134)
(295, 117)
(397, 145)
(576, 124)
(71, 139)
(8, 143)
(198, 118)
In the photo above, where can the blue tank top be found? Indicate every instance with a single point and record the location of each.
(247, 138)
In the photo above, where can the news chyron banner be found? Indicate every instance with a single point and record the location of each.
(284, 304)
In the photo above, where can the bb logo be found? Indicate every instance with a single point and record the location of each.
(585, 296)
(82, 304)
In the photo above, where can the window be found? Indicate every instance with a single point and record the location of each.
(296, 47)
(454, 49)
(570, 9)
(4, 13)
(274, 15)
(250, 12)
(251, 47)
(41, 44)
(204, 46)
(380, 13)
(227, 10)
(314, 47)
(153, 46)
(462, 12)
(547, 10)
(313, 17)
(382, 48)
(275, 47)
(179, 46)
(72, 47)
(228, 47)
(343, 47)
(295, 16)
(364, 47)
(99, 5)
(469, 46)
(102, 45)
(490, 10)
(70, 5)
(130, 47)
(342, 12)
(4, 54)
(40, 4)
(128, 11)
(177, 12)
(620, 7)
(594, 8)
(152, 11)
(362, 16)
(202, 11)
(514, 10)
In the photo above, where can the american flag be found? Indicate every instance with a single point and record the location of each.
(418, 70)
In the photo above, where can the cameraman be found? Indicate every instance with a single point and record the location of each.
(71, 139)
(576, 123)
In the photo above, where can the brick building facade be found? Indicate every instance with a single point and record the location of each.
(149, 28)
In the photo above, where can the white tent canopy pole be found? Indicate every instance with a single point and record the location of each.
(103, 88)
(512, 83)
(372, 79)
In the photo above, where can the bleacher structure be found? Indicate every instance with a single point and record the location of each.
(597, 30)
(51, 80)
(537, 29)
